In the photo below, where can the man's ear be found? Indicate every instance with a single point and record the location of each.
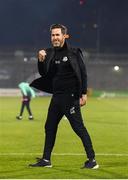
(66, 36)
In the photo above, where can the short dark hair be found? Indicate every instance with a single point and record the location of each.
(62, 27)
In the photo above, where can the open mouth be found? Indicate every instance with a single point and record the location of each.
(56, 41)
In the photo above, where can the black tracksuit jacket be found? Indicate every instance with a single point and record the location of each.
(44, 83)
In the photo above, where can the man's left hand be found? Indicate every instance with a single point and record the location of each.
(83, 100)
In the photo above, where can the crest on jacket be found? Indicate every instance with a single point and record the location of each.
(65, 58)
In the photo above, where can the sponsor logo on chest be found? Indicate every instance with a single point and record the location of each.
(64, 59)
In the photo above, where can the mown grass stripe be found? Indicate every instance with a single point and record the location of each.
(62, 154)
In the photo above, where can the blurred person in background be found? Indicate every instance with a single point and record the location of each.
(27, 94)
(63, 73)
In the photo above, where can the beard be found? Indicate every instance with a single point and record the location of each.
(57, 44)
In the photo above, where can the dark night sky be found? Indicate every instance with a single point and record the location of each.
(92, 24)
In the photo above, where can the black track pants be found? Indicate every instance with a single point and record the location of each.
(27, 105)
(69, 106)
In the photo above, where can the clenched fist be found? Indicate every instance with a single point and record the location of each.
(41, 55)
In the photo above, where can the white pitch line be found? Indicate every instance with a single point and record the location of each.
(62, 154)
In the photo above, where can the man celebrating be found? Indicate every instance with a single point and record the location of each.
(63, 73)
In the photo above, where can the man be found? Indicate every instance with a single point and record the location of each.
(63, 73)
(27, 94)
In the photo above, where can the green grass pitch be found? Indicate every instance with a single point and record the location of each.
(22, 141)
